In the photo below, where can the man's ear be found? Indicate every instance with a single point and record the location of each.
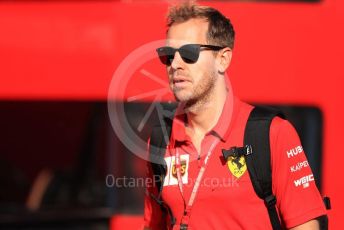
(224, 58)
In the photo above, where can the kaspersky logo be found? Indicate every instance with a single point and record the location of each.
(299, 166)
(304, 181)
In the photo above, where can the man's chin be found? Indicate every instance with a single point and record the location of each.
(182, 97)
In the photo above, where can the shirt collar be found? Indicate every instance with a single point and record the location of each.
(221, 129)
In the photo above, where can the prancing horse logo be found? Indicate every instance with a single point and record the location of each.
(237, 166)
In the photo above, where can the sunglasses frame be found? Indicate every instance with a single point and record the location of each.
(166, 53)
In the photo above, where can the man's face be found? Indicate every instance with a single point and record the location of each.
(191, 82)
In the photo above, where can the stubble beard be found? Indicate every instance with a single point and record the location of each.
(199, 97)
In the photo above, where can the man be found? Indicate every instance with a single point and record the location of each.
(201, 191)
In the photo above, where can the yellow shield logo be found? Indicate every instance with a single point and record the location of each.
(237, 166)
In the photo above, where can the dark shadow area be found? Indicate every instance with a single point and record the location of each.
(59, 161)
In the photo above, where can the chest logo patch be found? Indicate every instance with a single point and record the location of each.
(183, 166)
(237, 166)
(171, 176)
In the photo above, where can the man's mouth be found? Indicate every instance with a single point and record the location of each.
(180, 81)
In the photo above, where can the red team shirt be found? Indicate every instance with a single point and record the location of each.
(226, 198)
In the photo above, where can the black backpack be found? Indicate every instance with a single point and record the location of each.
(256, 139)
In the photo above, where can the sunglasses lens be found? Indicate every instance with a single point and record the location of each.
(166, 54)
(190, 53)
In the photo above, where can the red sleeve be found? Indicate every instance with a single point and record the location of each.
(153, 216)
(298, 198)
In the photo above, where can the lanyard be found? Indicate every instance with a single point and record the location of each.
(187, 209)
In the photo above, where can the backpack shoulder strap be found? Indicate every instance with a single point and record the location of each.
(257, 136)
(157, 148)
(159, 139)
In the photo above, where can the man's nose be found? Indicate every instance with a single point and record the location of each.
(177, 61)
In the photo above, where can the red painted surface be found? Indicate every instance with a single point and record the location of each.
(285, 53)
(133, 222)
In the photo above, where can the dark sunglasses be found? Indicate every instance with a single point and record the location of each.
(189, 52)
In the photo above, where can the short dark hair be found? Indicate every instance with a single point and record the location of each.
(220, 29)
